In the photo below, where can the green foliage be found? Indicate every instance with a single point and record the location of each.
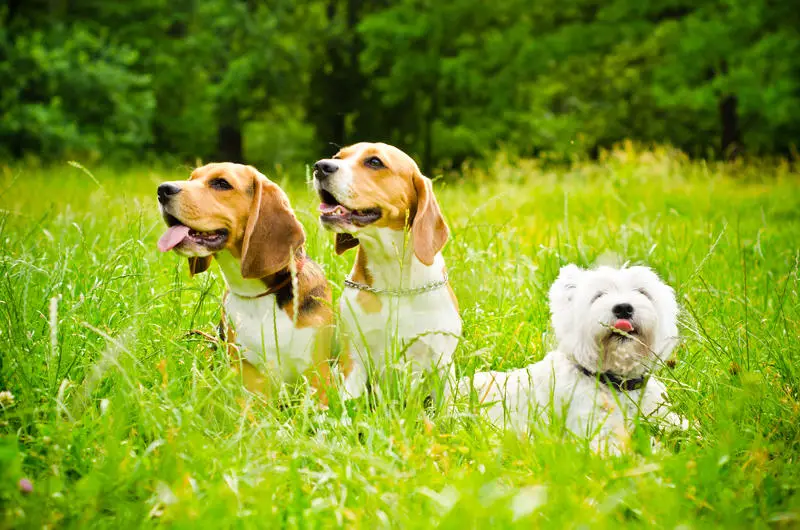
(180, 78)
(570, 78)
(70, 90)
(447, 81)
(121, 419)
(742, 49)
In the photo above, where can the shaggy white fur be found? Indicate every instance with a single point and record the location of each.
(614, 328)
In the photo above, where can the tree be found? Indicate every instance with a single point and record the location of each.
(254, 55)
(427, 63)
(446, 81)
(733, 64)
(340, 101)
(69, 88)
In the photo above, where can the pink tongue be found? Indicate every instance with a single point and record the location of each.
(173, 236)
(326, 208)
(623, 325)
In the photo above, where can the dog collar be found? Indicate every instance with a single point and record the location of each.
(282, 279)
(613, 380)
(431, 286)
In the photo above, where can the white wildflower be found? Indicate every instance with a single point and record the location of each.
(6, 399)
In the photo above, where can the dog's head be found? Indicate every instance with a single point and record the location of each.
(232, 207)
(373, 185)
(617, 320)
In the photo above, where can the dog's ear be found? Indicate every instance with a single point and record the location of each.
(198, 264)
(562, 294)
(563, 288)
(273, 233)
(429, 231)
(345, 242)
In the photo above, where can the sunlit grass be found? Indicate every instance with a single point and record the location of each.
(122, 420)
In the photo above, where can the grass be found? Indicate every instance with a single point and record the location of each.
(120, 420)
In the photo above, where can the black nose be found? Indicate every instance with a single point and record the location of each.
(165, 191)
(324, 168)
(622, 311)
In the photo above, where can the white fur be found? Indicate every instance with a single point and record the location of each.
(555, 386)
(425, 326)
(266, 334)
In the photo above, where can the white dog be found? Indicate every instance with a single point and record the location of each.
(614, 327)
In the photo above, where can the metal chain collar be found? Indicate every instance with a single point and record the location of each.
(432, 286)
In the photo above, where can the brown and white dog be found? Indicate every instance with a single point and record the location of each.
(397, 304)
(278, 301)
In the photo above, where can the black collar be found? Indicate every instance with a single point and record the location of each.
(613, 380)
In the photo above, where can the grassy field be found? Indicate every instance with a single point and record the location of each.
(119, 420)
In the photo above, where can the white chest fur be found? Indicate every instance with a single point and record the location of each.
(426, 326)
(420, 331)
(266, 334)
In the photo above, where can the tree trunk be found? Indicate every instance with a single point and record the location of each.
(731, 143)
(229, 136)
(731, 136)
(433, 108)
(338, 100)
(430, 119)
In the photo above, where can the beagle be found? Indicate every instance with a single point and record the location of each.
(278, 301)
(397, 304)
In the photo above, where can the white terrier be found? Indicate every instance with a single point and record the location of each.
(614, 327)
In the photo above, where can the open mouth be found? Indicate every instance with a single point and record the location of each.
(178, 234)
(332, 211)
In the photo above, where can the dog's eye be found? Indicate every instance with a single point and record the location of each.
(374, 162)
(645, 293)
(220, 184)
(598, 296)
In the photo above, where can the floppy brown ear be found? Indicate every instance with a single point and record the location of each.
(429, 232)
(199, 264)
(345, 242)
(273, 233)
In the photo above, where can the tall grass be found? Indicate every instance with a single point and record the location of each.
(121, 419)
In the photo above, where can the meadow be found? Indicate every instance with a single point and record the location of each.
(120, 419)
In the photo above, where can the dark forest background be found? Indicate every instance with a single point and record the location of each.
(279, 81)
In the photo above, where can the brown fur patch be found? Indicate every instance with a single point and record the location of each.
(344, 242)
(345, 360)
(369, 302)
(360, 272)
(314, 296)
(319, 375)
(199, 264)
(453, 296)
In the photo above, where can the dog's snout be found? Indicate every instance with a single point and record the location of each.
(166, 191)
(325, 168)
(622, 311)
